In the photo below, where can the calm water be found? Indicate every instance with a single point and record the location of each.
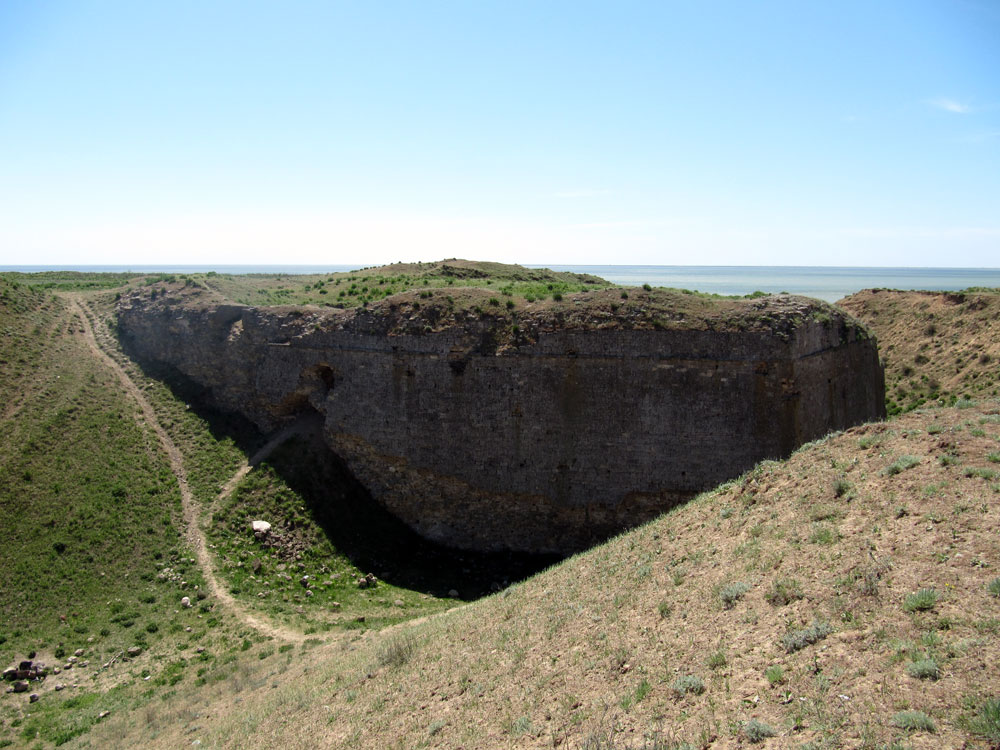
(826, 283)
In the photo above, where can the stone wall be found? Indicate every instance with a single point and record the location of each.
(546, 445)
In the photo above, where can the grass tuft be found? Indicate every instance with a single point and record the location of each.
(900, 465)
(993, 587)
(986, 722)
(784, 591)
(921, 601)
(396, 651)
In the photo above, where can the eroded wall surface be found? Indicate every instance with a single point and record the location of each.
(546, 446)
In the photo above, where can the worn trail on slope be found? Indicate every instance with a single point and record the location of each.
(193, 533)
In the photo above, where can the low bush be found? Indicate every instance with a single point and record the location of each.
(914, 721)
(757, 731)
(688, 683)
(796, 640)
(924, 669)
(732, 593)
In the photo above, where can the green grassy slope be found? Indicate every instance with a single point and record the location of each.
(88, 503)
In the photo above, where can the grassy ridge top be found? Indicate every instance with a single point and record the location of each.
(369, 285)
(517, 301)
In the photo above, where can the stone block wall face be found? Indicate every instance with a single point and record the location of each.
(546, 447)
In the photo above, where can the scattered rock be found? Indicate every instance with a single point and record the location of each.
(72, 660)
(21, 686)
(134, 651)
(304, 580)
(200, 649)
(78, 652)
(33, 697)
(309, 592)
(186, 602)
(359, 618)
(367, 582)
(59, 686)
(187, 629)
(260, 528)
(453, 594)
(10, 673)
(399, 603)
(255, 565)
(56, 670)
(103, 714)
(335, 605)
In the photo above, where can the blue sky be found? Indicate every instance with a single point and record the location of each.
(848, 133)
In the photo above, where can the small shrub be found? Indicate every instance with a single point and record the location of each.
(923, 669)
(775, 674)
(664, 609)
(914, 721)
(785, 591)
(868, 582)
(756, 731)
(993, 587)
(796, 640)
(921, 601)
(986, 723)
(900, 465)
(688, 683)
(841, 487)
(557, 297)
(732, 593)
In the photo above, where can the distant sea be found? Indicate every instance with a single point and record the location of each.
(828, 283)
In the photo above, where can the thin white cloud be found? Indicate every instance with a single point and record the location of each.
(950, 105)
(582, 193)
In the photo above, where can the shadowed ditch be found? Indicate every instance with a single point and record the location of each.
(342, 509)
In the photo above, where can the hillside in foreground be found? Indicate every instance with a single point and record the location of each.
(846, 597)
